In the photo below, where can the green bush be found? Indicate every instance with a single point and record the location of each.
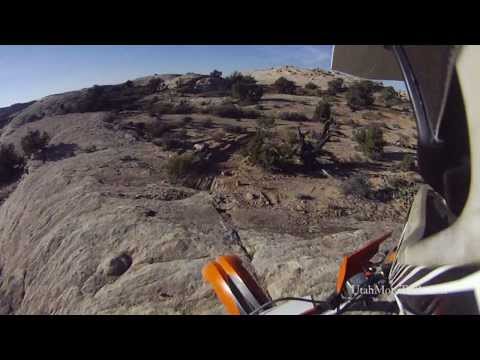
(183, 107)
(407, 163)
(157, 129)
(368, 86)
(187, 120)
(34, 142)
(170, 142)
(236, 77)
(357, 185)
(390, 96)
(234, 129)
(293, 116)
(247, 92)
(160, 108)
(262, 152)
(219, 135)
(226, 110)
(284, 86)
(335, 86)
(403, 141)
(11, 164)
(207, 123)
(216, 74)
(311, 86)
(370, 141)
(179, 167)
(322, 112)
(359, 97)
(265, 123)
(229, 110)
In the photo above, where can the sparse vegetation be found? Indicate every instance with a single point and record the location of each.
(311, 86)
(90, 149)
(247, 91)
(407, 163)
(170, 141)
(293, 116)
(234, 129)
(370, 141)
(157, 129)
(181, 166)
(335, 86)
(284, 86)
(187, 120)
(265, 123)
(403, 141)
(216, 74)
(35, 142)
(219, 135)
(357, 185)
(359, 97)
(207, 123)
(322, 112)
(183, 107)
(11, 164)
(229, 110)
(390, 96)
(263, 152)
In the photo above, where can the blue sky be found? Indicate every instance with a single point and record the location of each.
(31, 72)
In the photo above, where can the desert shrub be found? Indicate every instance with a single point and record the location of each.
(392, 102)
(11, 164)
(157, 129)
(226, 110)
(262, 152)
(219, 135)
(216, 74)
(129, 83)
(357, 185)
(247, 92)
(390, 96)
(181, 166)
(251, 114)
(244, 88)
(359, 97)
(183, 107)
(370, 141)
(162, 108)
(237, 77)
(90, 149)
(181, 133)
(407, 163)
(34, 142)
(369, 86)
(293, 116)
(284, 86)
(322, 112)
(207, 123)
(187, 120)
(265, 123)
(311, 86)
(153, 85)
(335, 86)
(403, 141)
(372, 115)
(234, 129)
(170, 142)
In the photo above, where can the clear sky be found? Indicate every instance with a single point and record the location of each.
(31, 72)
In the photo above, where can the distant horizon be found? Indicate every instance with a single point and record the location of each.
(34, 72)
